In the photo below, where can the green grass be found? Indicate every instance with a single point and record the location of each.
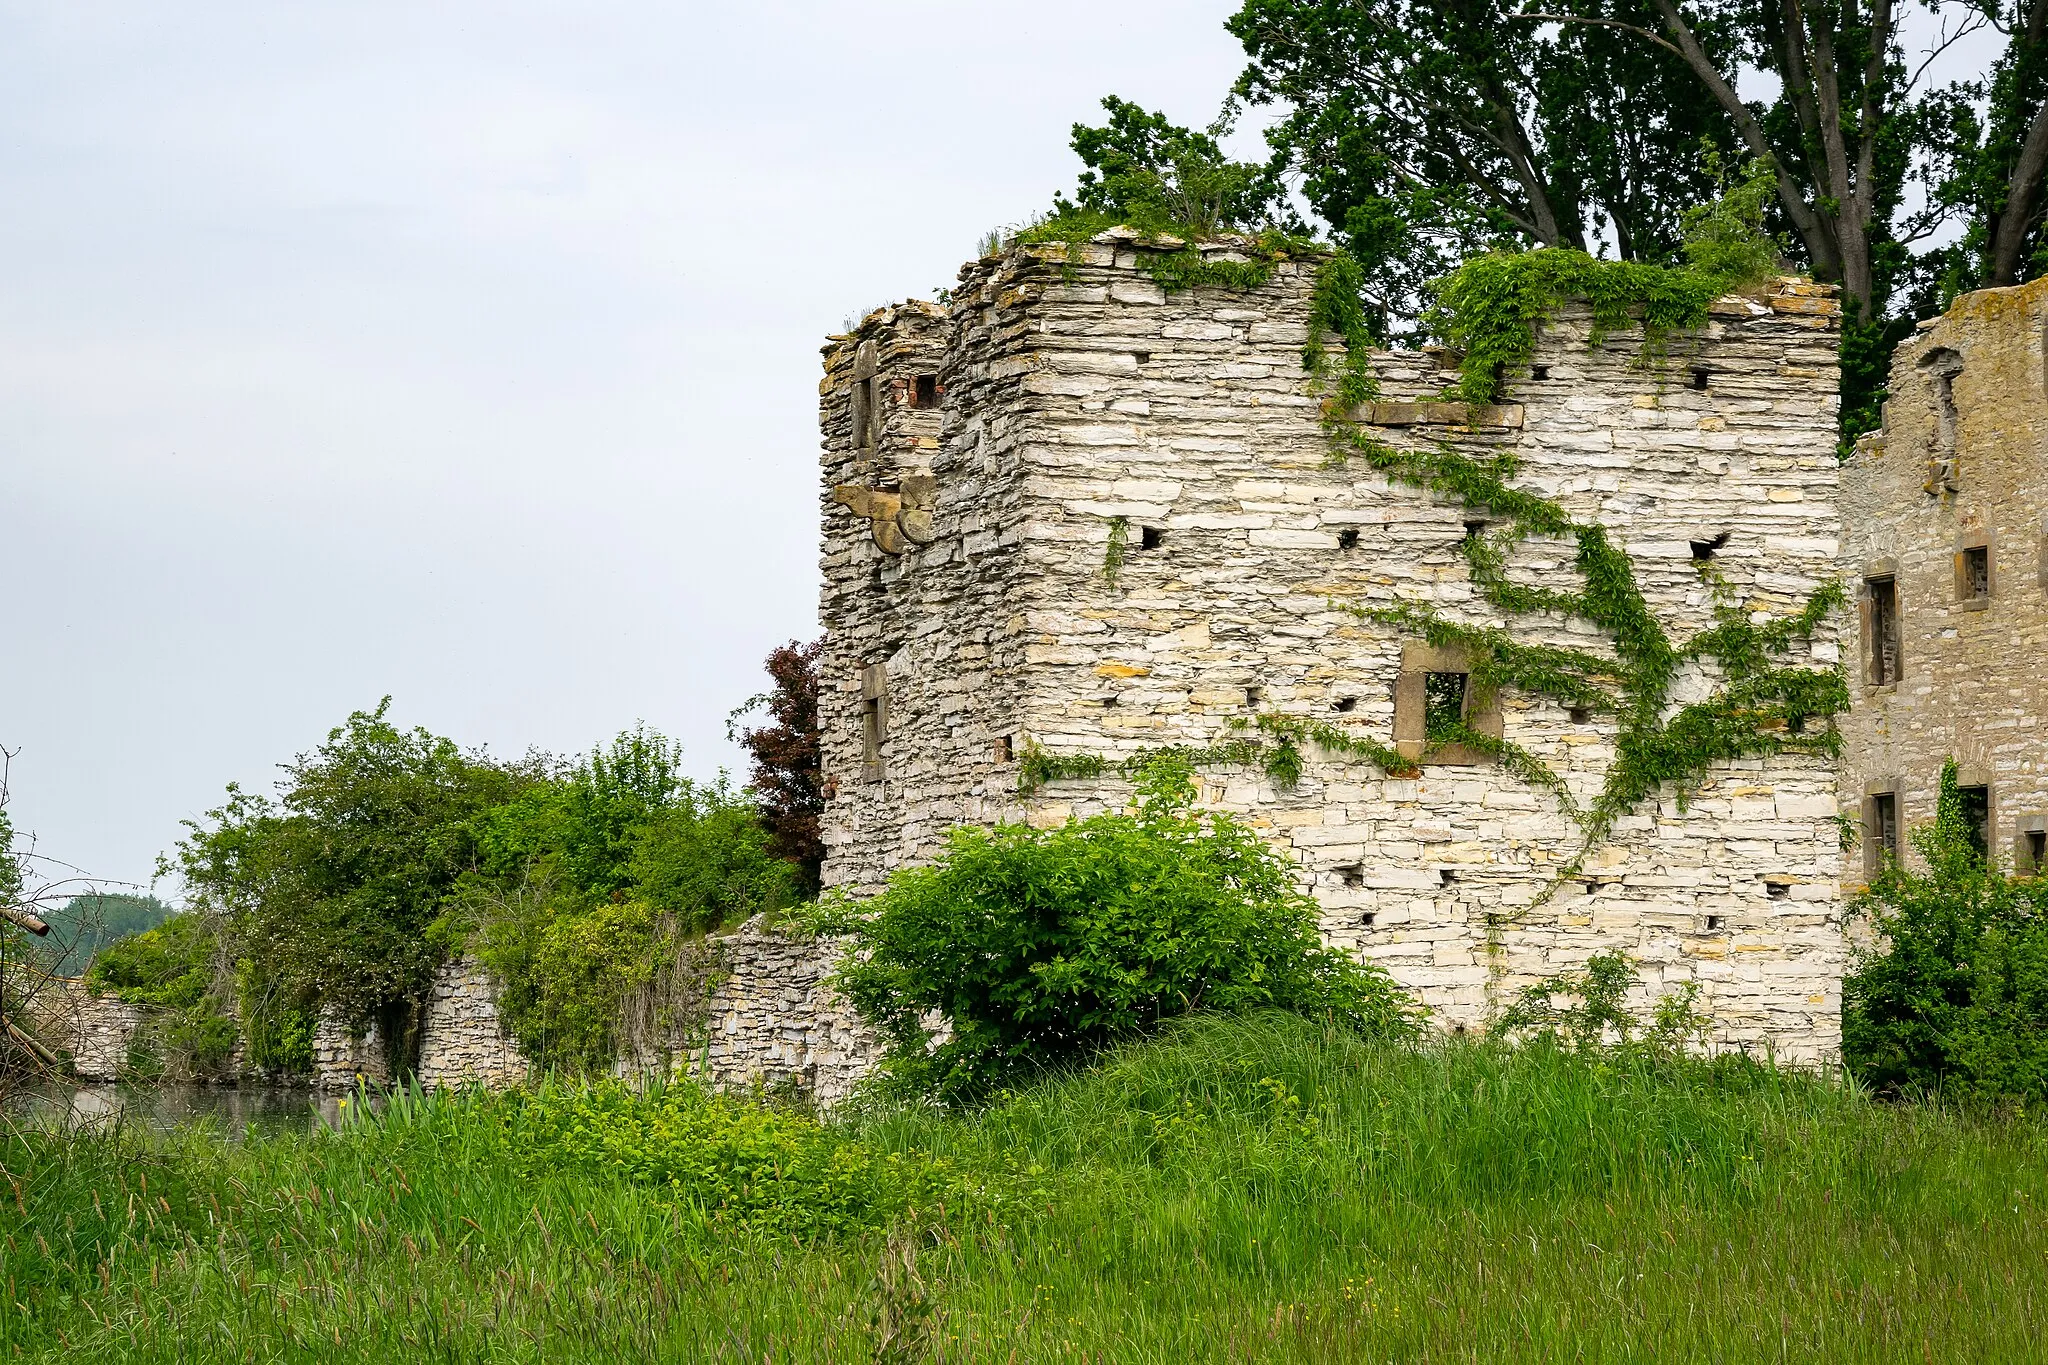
(1248, 1190)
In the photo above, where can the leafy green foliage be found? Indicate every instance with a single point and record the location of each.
(1145, 172)
(84, 924)
(738, 1164)
(1598, 1015)
(787, 781)
(1039, 947)
(1491, 306)
(1950, 992)
(1426, 131)
(329, 895)
(592, 884)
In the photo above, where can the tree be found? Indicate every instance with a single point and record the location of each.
(1988, 140)
(1145, 171)
(1425, 129)
(787, 780)
(328, 896)
(86, 923)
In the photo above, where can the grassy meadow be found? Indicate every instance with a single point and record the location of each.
(1256, 1189)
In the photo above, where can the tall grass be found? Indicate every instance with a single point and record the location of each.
(1247, 1190)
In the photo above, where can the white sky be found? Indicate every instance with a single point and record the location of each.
(464, 352)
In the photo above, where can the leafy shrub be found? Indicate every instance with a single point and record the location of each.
(737, 1162)
(1951, 993)
(1599, 1015)
(1039, 947)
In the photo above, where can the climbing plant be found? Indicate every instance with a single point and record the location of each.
(1760, 705)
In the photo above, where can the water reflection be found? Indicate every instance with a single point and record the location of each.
(235, 1112)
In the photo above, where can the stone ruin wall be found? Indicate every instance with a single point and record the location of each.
(1076, 391)
(1962, 462)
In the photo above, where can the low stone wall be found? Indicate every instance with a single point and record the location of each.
(771, 1020)
(776, 1020)
(100, 1030)
(462, 1041)
(342, 1060)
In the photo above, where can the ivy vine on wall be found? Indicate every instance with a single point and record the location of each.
(1760, 706)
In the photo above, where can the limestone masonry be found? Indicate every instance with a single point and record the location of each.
(979, 458)
(1947, 544)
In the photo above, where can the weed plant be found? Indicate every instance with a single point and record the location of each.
(1258, 1188)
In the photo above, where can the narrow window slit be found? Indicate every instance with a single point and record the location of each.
(925, 393)
(1700, 378)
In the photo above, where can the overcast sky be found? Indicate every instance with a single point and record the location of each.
(463, 352)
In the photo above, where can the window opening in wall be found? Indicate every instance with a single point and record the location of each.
(1713, 923)
(1447, 876)
(1704, 550)
(874, 719)
(1539, 372)
(864, 414)
(1141, 356)
(1347, 539)
(1112, 700)
(1975, 584)
(1777, 891)
(2035, 843)
(1344, 704)
(1941, 366)
(1352, 874)
(1252, 696)
(1367, 919)
(1579, 714)
(1151, 537)
(1884, 825)
(1884, 630)
(1474, 529)
(1700, 378)
(1976, 802)
(1443, 704)
(1003, 751)
(924, 392)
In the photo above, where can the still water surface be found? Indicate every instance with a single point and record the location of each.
(261, 1111)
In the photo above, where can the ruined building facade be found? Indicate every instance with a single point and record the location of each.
(987, 464)
(1946, 511)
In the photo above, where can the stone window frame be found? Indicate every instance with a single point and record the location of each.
(1875, 572)
(1895, 788)
(1411, 705)
(1985, 539)
(2024, 863)
(1980, 775)
(874, 719)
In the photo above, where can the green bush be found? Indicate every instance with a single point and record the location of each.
(1040, 947)
(1952, 992)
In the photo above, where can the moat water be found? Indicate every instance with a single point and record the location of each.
(234, 1112)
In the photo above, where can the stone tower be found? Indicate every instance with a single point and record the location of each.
(975, 614)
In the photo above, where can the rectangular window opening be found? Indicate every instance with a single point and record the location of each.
(1579, 714)
(1367, 919)
(1347, 539)
(2035, 842)
(1474, 529)
(1447, 876)
(874, 719)
(1884, 825)
(1141, 356)
(1151, 537)
(1352, 874)
(1884, 630)
(1444, 702)
(1777, 891)
(1344, 704)
(1977, 818)
(1252, 696)
(1975, 585)
(1003, 752)
(1700, 378)
(925, 391)
(1539, 372)
(1713, 923)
